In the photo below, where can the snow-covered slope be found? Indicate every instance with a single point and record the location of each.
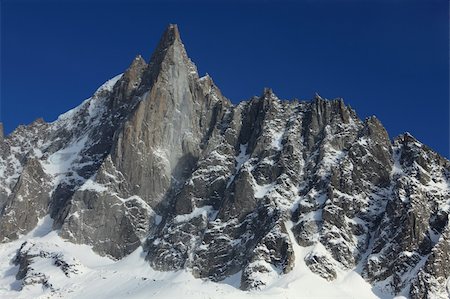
(60, 269)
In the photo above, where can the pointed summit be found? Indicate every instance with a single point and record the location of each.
(170, 35)
(130, 80)
(169, 38)
(317, 96)
(170, 51)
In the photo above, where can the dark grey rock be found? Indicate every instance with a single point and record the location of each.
(28, 202)
(432, 278)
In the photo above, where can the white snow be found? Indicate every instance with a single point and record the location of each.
(348, 284)
(108, 85)
(262, 190)
(277, 138)
(396, 167)
(242, 157)
(62, 164)
(132, 277)
(233, 280)
(136, 198)
(92, 104)
(268, 276)
(363, 141)
(92, 185)
(61, 161)
(205, 211)
(157, 219)
(67, 116)
(240, 160)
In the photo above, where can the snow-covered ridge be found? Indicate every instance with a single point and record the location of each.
(93, 104)
(60, 147)
(84, 119)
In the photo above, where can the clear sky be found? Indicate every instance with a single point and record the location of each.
(385, 58)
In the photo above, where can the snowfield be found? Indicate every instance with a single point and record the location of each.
(132, 277)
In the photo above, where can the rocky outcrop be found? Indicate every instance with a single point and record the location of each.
(432, 278)
(415, 216)
(159, 158)
(31, 255)
(27, 203)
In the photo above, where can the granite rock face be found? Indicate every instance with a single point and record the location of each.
(159, 158)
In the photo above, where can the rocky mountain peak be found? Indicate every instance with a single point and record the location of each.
(170, 35)
(170, 52)
(408, 138)
(130, 82)
(159, 160)
(268, 92)
(317, 96)
(169, 39)
(137, 63)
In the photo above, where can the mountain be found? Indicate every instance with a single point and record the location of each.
(159, 175)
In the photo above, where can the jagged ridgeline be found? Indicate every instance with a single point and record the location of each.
(159, 158)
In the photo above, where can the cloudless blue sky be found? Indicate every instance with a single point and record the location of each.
(385, 58)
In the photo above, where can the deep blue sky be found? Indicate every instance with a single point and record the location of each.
(387, 58)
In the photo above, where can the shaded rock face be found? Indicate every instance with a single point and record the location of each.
(159, 158)
(29, 194)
